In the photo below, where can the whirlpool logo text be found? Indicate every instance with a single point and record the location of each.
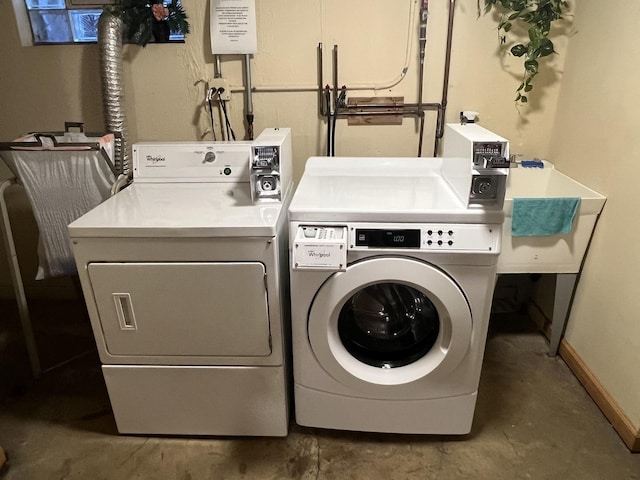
(316, 254)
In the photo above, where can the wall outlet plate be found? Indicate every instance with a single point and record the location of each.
(220, 82)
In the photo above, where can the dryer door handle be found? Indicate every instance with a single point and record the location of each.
(124, 311)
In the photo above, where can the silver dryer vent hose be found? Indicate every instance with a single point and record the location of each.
(110, 48)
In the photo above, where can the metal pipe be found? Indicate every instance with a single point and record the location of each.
(218, 72)
(275, 88)
(414, 106)
(327, 99)
(335, 73)
(405, 113)
(321, 101)
(445, 83)
(339, 101)
(249, 108)
(410, 109)
(424, 15)
(247, 63)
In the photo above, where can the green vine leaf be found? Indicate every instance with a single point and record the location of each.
(519, 50)
(531, 66)
(535, 17)
(546, 47)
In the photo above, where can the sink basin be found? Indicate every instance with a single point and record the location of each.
(562, 253)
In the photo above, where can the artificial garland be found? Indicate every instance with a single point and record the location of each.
(144, 20)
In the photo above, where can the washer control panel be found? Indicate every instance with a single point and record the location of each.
(432, 237)
(325, 246)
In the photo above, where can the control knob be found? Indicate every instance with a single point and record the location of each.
(483, 186)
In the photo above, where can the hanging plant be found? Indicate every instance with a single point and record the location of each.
(534, 17)
(146, 20)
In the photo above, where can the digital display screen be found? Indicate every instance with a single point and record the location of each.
(381, 238)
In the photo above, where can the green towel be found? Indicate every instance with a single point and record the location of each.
(534, 217)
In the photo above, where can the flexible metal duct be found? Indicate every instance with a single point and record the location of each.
(110, 47)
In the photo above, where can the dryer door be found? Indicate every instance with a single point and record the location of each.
(182, 309)
(389, 321)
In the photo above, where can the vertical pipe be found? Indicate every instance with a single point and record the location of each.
(445, 83)
(321, 101)
(332, 116)
(335, 75)
(327, 99)
(218, 72)
(249, 108)
(424, 15)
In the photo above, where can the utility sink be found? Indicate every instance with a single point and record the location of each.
(562, 253)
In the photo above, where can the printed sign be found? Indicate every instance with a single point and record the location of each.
(233, 27)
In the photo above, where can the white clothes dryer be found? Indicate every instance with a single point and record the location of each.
(185, 277)
(391, 284)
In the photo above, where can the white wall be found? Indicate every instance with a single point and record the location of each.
(595, 140)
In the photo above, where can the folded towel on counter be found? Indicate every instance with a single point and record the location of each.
(533, 217)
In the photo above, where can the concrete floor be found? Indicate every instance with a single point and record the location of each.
(533, 420)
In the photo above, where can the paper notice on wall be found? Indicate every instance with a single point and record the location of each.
(233, 27)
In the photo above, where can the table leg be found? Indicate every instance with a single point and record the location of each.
(565, 287)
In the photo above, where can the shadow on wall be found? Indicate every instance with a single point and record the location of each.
(91, 93)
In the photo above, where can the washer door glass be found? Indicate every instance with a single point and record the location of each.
(389, 321)
(388, 325)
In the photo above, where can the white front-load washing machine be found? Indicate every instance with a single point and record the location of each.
(185, 277)
(392, 277)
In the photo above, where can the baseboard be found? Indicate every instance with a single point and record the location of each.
(629, 434)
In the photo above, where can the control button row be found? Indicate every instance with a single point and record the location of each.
(440, 233)
(440, 242)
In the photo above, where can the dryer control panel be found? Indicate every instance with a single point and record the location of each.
(264, 164)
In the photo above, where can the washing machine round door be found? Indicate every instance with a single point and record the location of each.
(389, 321)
